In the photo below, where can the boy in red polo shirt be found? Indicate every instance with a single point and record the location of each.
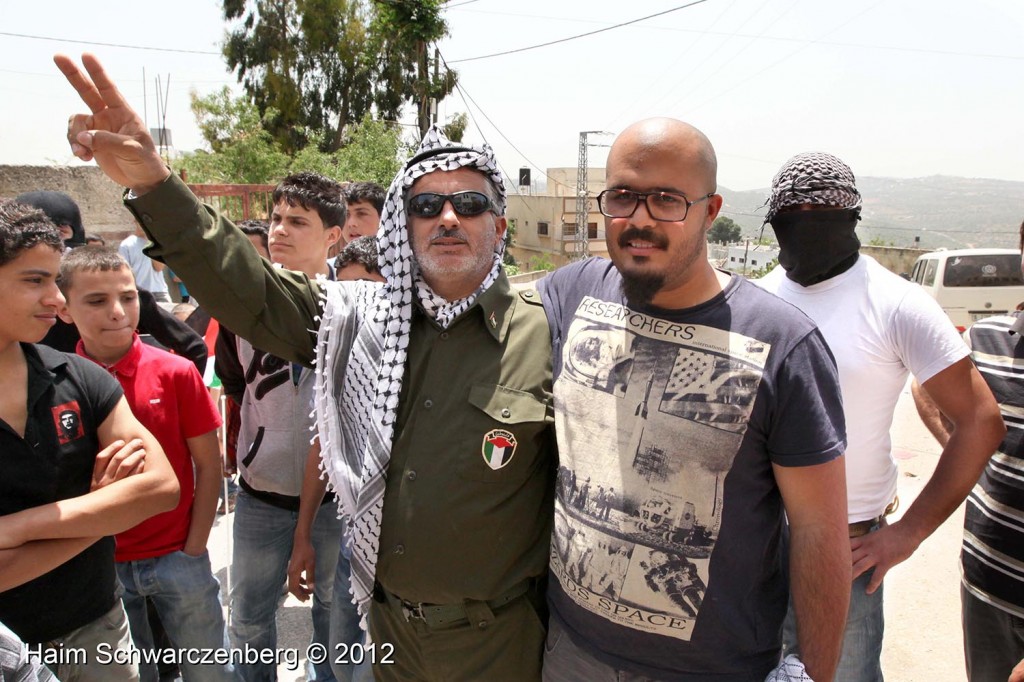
(163, 558)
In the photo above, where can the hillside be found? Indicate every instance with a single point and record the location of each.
(943, 211)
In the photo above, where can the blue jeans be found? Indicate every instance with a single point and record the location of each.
(262, 546)
(862, 639)
(187, 598)
(345, 630)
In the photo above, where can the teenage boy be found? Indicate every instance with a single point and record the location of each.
(59, 499)
(163, 559)
(273, 440)
(154, 320)
(365, 201)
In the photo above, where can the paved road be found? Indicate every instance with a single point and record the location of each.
(922, 599)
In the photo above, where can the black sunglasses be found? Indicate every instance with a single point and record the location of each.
(466, 203)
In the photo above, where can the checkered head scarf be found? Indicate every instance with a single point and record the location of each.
(814, 178)
(362, 345)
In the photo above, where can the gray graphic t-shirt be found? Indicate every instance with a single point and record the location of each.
(666, 556)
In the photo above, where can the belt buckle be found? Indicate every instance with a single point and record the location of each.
(412, 611)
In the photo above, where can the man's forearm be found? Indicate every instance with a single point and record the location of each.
(820, 582)
(106, 511)
(931, 417)
(33, 559)
(313, 490)
(272, 308)
(204, 507)
(970, 415)
(959, 467)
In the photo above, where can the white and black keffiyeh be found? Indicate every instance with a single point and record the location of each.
(361, 352)
(791, 669)
(814, 178)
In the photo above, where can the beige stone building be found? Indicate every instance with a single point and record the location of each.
(545, 224)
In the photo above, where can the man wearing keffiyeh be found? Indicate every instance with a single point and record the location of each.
(880, 329)
(433, 392)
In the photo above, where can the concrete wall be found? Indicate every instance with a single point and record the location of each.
(98, 198)
(894, 258)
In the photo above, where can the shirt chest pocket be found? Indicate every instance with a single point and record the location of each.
(507, 431)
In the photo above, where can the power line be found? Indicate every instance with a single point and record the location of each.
(762, 36)
(188, 82)
(580, 35)
(460, 4)
(90, 42)
(777, 62)
(464, 95)
(697, 67)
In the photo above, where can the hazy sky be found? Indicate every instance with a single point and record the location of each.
(902, 88)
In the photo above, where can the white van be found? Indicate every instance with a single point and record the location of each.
(971, 284)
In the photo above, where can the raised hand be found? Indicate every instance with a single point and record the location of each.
(112, 134)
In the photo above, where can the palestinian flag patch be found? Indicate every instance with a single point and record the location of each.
(498, 448)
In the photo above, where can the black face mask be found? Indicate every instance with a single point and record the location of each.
(816, 245)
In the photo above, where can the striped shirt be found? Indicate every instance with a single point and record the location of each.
(992, 560)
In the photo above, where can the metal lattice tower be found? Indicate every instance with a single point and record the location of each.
(581, 249)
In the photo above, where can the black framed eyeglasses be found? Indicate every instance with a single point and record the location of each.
(466, 203)
(670, 207)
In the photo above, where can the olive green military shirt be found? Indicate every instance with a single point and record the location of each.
(468, 503)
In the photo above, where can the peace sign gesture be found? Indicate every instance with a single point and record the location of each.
(112, 133)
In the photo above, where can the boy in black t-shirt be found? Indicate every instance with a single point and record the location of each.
(59, 499)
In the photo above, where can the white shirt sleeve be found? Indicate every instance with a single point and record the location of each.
(926, 339)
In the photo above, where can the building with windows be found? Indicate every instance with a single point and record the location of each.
(745, 258)
(545, 224)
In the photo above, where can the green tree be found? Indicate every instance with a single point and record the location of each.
(241, 150)
(724, 231)
(455, 128)
(373, 152)
(761, 272)
(406, 28)
(321, 65)
(541, 262)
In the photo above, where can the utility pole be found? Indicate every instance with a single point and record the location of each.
(581, 249)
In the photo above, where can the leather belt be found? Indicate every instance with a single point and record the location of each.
(438, 615)
(862, 528)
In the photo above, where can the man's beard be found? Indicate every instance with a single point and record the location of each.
(641, 288)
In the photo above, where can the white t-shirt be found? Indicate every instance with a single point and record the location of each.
(146, 277)
(880, 327)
